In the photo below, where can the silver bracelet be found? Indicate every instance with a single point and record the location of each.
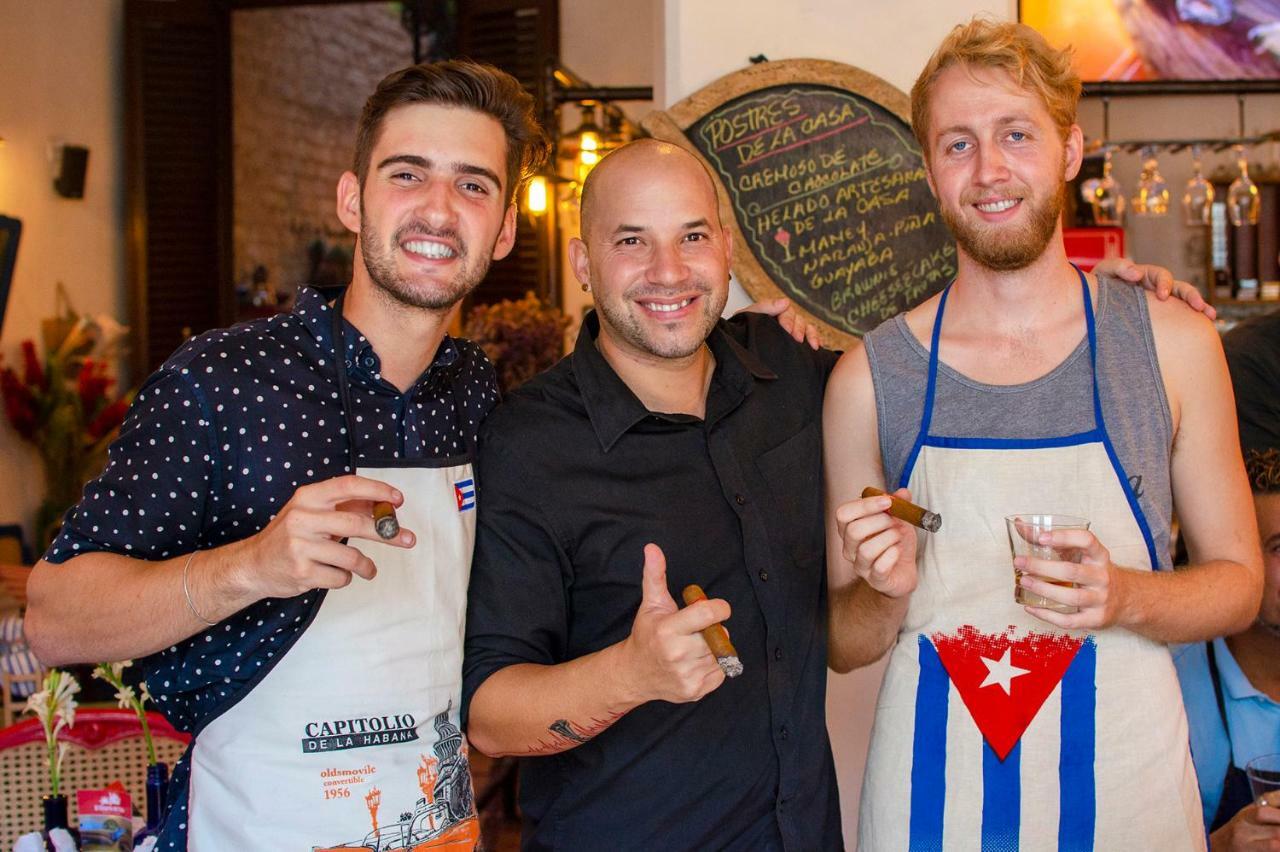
(186, 592)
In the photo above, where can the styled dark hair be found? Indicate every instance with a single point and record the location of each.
(466, 84)
(1264, 470)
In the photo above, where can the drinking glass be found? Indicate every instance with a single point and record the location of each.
(1243, 201)
(1197, 200)
(1264, 778)
(1108, 197)
(1152, 197)
(1024, 540)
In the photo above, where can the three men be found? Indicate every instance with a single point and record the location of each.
(1044, 390)
(222, 541)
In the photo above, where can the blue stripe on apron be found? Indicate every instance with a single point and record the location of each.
(929, 752)
(1077, 800)
(1001, 799)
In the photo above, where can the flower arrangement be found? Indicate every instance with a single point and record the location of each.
(522, 338)
(129, 698)
(64, 406)
(55, 707)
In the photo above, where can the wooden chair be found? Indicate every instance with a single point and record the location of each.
(105, 746)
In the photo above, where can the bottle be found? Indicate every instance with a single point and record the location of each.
(157, 800)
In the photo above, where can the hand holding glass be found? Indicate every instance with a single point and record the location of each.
(1025, 531)
(1264, 779)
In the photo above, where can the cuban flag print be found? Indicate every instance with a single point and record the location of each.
(465, 491)
(1032, 698)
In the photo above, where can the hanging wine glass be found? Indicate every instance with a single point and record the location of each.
(1243, 201)
(1108, 198)
(1197, 200)
(1152, 197)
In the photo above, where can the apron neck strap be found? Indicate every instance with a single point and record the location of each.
(339, 344)
(344, 388)
(1091, 332)
(1215, 675)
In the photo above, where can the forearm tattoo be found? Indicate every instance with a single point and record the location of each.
(564, 734)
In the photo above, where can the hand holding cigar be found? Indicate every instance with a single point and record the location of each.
(665, 658)
(906, 511)
(717, 637)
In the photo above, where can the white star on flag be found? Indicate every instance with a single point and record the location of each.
(1001, 671)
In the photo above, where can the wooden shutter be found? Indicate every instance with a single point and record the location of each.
(178, 155)
(520, 37)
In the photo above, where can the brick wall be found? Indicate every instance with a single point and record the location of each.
(300, 77)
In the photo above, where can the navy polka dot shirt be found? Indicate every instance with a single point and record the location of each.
(218, 439)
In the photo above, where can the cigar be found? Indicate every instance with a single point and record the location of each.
(909, 512)
(384, 520)
(716, 636)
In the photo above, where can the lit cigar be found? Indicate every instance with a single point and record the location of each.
(716, 636)
(384, 520)
(909, 512)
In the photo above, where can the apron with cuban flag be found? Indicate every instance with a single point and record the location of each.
(351, 740)
(995, 730)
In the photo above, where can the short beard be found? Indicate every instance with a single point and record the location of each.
(629, 327)
(380, 263)
(1007, 252)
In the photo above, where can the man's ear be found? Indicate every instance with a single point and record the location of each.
(349, 201)
(1073, 155)
(579, 262)
(507, 236)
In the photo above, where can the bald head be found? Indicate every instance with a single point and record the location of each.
(616, 174)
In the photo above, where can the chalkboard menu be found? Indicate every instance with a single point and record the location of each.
(826, 186)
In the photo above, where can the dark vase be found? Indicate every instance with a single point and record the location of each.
(55, 816)
(55, 812)
(157, 799)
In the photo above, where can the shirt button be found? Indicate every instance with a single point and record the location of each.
(777, 653)
(740, 500)
(764, 576)
(368, 361)
(784, 733)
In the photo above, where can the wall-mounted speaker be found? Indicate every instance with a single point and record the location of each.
(71, 171)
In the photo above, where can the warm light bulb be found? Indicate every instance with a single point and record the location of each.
(535, 199)
(589, 142)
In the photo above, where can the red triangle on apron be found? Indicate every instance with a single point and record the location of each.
(1004, 680)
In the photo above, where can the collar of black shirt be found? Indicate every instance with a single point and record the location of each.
(614, 408)
(363, 363)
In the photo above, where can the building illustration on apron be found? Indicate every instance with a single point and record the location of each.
(999, 731)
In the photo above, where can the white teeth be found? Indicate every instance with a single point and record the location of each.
(997, 206)
(429, 248)
(662, 308)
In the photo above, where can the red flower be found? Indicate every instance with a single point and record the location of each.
(91, 384)
(33, 372)
(19, 404)
(108, 419)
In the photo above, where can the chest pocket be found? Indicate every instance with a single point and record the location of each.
(792, 474)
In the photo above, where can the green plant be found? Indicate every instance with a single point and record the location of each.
(129, 699)
(64, 406)
(522, 337)
(55, 707)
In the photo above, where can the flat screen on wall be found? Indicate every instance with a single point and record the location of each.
(1163, 40)
(10, 229)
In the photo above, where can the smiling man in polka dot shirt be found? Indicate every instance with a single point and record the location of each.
(229, 544)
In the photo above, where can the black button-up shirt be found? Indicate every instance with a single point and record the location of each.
(575, 477)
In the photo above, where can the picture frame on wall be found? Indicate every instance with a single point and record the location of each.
(1180, 45)
(10, 231)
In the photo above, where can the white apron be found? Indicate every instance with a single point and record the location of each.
(351, 740)
(995, 730)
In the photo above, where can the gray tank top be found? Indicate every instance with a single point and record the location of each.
(1058, 403)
